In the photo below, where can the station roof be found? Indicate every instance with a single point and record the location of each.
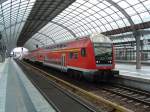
(42, 22)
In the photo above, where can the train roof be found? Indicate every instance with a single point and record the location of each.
(95, 38)
(99, 38)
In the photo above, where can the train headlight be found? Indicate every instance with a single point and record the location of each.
(109, 61)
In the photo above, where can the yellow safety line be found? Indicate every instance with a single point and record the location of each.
(93, 97)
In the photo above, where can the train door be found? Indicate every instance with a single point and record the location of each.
(63, 62)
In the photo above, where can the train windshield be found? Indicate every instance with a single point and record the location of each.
(103, 53)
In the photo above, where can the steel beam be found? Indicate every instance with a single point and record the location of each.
(48, 37)
(138, 53)
(135, 32)
(39, 11)
(38, 41)
(64, 27)
(2, 1)
(122, 11)
(61, 25)
(128, 28)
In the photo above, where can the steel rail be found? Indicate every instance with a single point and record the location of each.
(131, 96)
(59, 87)
(82, 92)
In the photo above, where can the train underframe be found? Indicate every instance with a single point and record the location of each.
(93, 76)
(98, 76)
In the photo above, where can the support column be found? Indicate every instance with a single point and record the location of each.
(138, 53)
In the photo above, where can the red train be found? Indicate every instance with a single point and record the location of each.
(91, 56)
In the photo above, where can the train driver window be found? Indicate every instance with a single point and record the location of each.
(71, 55)
(83, 52)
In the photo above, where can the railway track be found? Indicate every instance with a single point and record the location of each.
(131, 95)
(137, 96)
(61, 100)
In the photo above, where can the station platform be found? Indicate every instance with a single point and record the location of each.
(17, 93)
(145, 63)
(126, 69)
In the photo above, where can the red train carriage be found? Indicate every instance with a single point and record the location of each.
(88, 56)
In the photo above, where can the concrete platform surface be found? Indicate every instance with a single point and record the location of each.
(145, 63)
(17, 93)
(130, 70)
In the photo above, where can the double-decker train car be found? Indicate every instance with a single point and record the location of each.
(91, 56)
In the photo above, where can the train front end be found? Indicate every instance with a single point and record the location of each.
(103, 52)
(104, 55)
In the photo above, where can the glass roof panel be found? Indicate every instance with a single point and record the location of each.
(139, 9)
(145, 16)
(133, 3)
(123, 4)
(84, 17)
(136, 19)
(13, 14)
(130, 11)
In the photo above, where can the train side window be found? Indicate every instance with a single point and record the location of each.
(71, 55)
(76, 55)
(83, 52)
